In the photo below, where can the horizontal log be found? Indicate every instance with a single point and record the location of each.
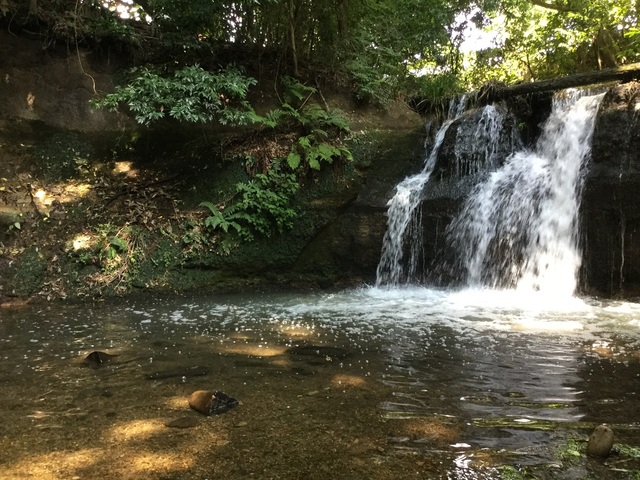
(492, 91)
(624, 73)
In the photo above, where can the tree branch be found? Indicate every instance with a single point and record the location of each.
(553, 6)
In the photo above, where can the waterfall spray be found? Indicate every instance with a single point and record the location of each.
(519, 229)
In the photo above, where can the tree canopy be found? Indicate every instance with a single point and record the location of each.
(379, 48)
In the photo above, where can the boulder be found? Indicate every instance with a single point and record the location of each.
(600, 442)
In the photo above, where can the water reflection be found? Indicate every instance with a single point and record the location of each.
(442, 375)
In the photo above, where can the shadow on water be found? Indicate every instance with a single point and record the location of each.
(372, 383)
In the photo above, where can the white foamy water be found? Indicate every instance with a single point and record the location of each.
(403, 221)
(519, 229)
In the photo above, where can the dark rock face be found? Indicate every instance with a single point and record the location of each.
(347, 249)
(610, 207)
(37, 87)
(465, 157)
(610, 211)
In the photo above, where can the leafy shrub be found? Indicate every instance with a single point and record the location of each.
(261, 207)
(192, 95)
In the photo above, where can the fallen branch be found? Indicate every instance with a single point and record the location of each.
(621, 74)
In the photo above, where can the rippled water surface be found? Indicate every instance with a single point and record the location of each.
(378, 383)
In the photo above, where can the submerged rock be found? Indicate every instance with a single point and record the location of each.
(190, 371)
(210, 402)
(182, 422)
(97, 359)
(600, 442)
(321, 351)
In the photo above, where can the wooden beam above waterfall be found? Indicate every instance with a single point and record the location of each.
(495, 91)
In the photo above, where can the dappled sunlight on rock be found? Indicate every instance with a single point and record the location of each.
(81, 242)
(135, 430)
(178, 403)
(253, 350)
(146, 463)
(342, 380)
(125, 168)
(46, 198)
(297, 332)
(74, 191)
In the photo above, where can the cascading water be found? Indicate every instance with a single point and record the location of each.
(519, 228)
(402, 219)
(475, 151)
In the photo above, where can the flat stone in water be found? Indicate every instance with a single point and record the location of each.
(182, 422)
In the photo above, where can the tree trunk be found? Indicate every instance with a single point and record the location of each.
(343, 8)
(292, 34)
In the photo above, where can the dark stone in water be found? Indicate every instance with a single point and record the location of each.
(182, 422)
(193, 371)
(210, 402)
(249, 363)
(98, 359)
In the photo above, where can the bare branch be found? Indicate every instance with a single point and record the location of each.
(553, 6)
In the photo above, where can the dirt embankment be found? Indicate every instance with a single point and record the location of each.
(93, 205)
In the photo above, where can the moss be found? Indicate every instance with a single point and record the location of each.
(27, 273)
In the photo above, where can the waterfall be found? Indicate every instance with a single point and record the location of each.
(475, 150)
(403, 213)
(519, 228)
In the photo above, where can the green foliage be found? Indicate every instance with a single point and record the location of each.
(437, 88)
(572, 451)
(114, 252)
(260, 207)
(319, 129)
(508, 472)
(314, 151)
(537, 42)
(370, 46)
(632, 50)
(629, 451)
(191, 95)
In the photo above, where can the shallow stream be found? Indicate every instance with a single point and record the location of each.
(366, 383)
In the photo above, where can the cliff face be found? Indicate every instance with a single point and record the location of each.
(56, 187)
(53, 87)
(610, 215)
(70, 173)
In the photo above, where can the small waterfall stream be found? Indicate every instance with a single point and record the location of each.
(403, 212)
(519, 227)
